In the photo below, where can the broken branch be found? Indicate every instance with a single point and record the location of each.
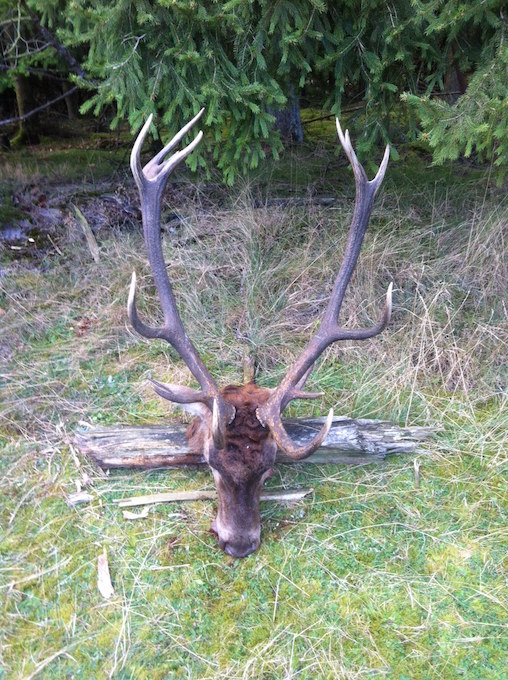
(288, 495)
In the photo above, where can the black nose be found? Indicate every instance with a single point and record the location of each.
(240, 549)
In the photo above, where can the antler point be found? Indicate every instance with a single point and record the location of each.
(389, 300)
(132, 291)
(217, 433)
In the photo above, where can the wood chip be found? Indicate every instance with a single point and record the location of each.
(74, 455)
(79, 498)
(103, 576)
(127, 514)
(416, 464)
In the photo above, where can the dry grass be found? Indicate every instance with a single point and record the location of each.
(373, 577)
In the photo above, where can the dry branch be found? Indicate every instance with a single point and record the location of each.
(288, 495)
(349, 441)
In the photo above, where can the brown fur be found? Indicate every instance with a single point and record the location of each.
(195, 433)
(239, 468)
(244, 454)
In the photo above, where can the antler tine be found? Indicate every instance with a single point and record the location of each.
(179, 394)
(345, 140)
(137, 324)
(382, 169)
(299, 393)
(218, 426)
(151, 181)
(365, 333)
(179, 135)
(286, 444)
(156, 169)
(329, 331)
(136, 167)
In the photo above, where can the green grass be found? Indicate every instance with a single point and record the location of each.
(372, 576)
(63, 164)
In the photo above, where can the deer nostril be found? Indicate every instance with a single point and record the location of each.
(240, 550)
(228, 549)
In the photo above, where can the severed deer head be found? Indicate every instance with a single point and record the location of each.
(239, 428)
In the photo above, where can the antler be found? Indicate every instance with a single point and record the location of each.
(329, 330)
(151, 181)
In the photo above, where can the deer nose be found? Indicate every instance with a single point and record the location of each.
(240, 549)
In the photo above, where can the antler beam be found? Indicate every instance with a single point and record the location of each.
(151, 181)
(329, 330)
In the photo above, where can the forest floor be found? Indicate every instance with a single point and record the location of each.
(373, 575)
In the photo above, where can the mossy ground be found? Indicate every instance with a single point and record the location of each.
(374, 575)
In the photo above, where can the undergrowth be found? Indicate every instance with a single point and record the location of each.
(375, 575)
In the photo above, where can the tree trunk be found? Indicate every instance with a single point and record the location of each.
(27, 129)
(288, 121)
(455, 83)
(349, 441)
(70, 102)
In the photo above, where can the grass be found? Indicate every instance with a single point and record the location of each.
(373, 576)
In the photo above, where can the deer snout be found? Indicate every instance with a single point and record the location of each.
(237, 541)
(239, 549)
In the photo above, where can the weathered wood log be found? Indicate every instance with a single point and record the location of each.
(350, 441)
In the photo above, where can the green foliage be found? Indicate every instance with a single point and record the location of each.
(241, 60)
(21, 48)
(473, 41)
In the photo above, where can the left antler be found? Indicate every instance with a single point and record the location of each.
(151, 181)
(329, 330)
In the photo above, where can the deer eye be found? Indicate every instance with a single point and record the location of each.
(266, 475)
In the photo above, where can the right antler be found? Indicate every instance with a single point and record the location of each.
(151, 181)
(329, 331)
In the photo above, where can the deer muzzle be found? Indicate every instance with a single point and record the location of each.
(238, 522)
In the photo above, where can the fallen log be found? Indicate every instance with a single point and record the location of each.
(350, 441)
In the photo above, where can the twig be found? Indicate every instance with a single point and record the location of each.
(345, 109)
(51, 658)
(90, 238)
(34, 577)
(19, 119)
(416, 464)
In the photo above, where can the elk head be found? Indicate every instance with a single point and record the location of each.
(239, 428)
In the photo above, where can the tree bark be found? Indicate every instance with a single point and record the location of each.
(288, 120)
(27, 128)
(349, 441)
(70, 101)
(455, 83)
